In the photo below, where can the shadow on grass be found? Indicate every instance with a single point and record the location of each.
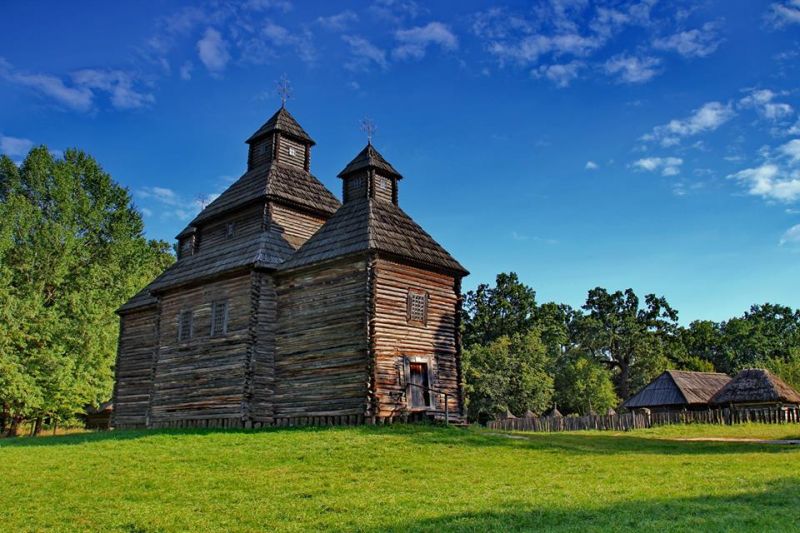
(770, 507)
(432, 435)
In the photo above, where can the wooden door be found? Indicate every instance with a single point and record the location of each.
(418, 375)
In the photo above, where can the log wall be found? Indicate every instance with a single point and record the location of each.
(204, 377)
(321, 342)
(383, 187)
(137, 346)
(395, 338)
(260, 152)
(285, 155)
(246, 223)
(262, 330)
(293, 225)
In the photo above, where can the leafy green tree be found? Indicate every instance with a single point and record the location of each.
(787, 368)
(510, 373)
(630, 339)
(583, 385)
(71, 251)
(506, 309)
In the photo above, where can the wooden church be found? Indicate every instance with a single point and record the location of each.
(288, 307)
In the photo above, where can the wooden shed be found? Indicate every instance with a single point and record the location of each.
(289, 307)
(99, 417)
(756, 387)
(676, 390)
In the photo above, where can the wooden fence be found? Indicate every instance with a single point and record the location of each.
(626, 421)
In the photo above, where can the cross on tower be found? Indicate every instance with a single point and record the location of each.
(284, 89)
(369, 128)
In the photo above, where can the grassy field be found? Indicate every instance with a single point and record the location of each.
(402, 478)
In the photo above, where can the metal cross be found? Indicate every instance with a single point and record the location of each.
(284, 89)
(369, 128)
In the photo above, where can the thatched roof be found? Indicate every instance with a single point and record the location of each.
(756, 385)
(529, 414)
(610, 412)
(554, 412)
(367, 224)
(678, 388)
(369, 157)
(284, 122)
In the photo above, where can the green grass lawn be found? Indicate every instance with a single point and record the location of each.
(401, 478)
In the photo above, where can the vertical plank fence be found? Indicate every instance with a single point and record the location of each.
(638, 420)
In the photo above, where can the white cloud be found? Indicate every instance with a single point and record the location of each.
(280, 36)
(364, 53)
(669, 166)
(118, 85)
(763, 101)
(770, 181)
(791, 235)
(699, 42)
(396, 11)
(179, 206)
(77, 98)
(632, 69)
(14, 146)
(338, 22)
(263, 5)
(186, 70)
(146, 212)
(708, 117)
(213, 51)
(786, 12)
(414, 42)
(591, 165)
(791, 150)
(560, 74)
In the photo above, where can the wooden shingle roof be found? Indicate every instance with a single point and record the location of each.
(678, 387)
(373, 225)
(369, 157)
(140, 300)
(284, 122)
(756, 385)
(276, 181)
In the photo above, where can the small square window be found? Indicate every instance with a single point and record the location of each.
(219, 318)
(185, 325)
(383, 183)
(417, 306)
(292, 151)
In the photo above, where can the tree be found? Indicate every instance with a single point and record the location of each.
(584, 385)
(510, 373)
(71, 251)
(506, 309)
(629, 339)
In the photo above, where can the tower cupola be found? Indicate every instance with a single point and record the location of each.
(369, 175)
(281, 139)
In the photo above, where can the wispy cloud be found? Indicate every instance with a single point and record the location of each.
(632, 69)
(299, 40)
(15, 146)
(668, 166)
(338, 22)
(777, 178)
(119, 85)
(699, 42)
(414, 42)
(784, 13)
(763, 101)
(364, 54)
(179, 206)
(591, 165)
(212, 50)
(708, 117)
(791, 235)
(562, 75)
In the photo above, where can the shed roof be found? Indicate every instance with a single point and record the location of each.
(678, 387)
(277, 181)
(756, 385)
(367, 224)
(369, 157)
(284, 122)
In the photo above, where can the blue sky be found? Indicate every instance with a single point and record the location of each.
(639, 144)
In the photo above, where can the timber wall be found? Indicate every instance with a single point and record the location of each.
(137, 346)
(204, 377)
(395, 338)
(321, 343)
(294, 226)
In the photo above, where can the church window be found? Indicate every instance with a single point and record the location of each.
(185, 325)
(230, 230)
(292, 151)
(219, 318)
(417, 306)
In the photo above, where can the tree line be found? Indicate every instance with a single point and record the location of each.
(521, 356)
(72, 250)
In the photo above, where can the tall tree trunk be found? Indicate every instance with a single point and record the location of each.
(13, 430)
(37, 426)
(4, 418)
(624, 381)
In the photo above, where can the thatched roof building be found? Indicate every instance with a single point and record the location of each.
(677, 390)
(756, 386)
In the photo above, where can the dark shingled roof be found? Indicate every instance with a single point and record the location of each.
(756, 385)
(372, 225)
(140, 300)
(369, 157)
(678, 387)
(284, 122)
(277, 181)
(266, 250)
